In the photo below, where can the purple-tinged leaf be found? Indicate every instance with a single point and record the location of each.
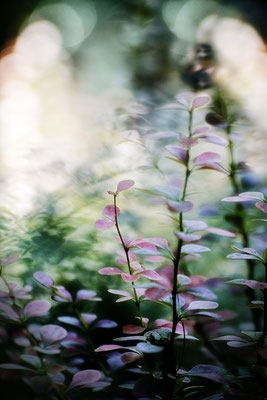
(167, 191)
(203, 293)
(200, 101)
(227, 337)
(201, 129)
(52, 333)
(36, 308)
(32, 360)
(158, 242)
(248, 282)
(129, 278)
(194, 226)
(180, 206)
(172, 106)
(109, 347)
(238, 256)
(208, 371)
(261, 206)
(202, 305)
(187, 237)
(88, 318)
(126, 296)
(253, 195)
(109, 211)
(220, 232)
(15, 367)
(8, 312)
(126, 338)
(130, 357)
(193, 249)
(144, 347)
(149, 274)
(49, 350)
(103, 224)
(236, 199)
(43, 278)
(247, 250)
(10, 259)
(110, 271)
(179, 153)
(185, 98)
(208, 158)
(123, 185)
(133, 329)
(84, 294)
(62, 292)
(70, 321)
(214, 139)
(106, 323)
(183, 279)
(238, 344)
(83, 378)
(210, 314)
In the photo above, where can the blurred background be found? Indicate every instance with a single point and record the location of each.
(81, 86)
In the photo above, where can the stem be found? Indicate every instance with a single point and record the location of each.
(264, 330)
(176, 262)
(126, 250)
(241, 212)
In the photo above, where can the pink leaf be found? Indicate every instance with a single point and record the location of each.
(155, 259)
(236, 199)
(201, 129)
(84, 294)
(129, 278)
(186, 142)
(109, 211)
(110, 271)
(130, 357)
(220, 232)
(133, 329)
(214, 139)
(180, 206)
(200, 101)
(83, 378)
(126, 184)
(179, 153)
(261, 206)
(153, 275)
(194, 248)
(103, 224)
(208, 158)
(187, 237)
(108, 347)
(157, 293)
(121, 261)
(216, 167)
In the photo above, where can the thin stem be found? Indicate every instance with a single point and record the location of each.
(176, 261)
(264, 330)
(183, 348)
(241, 225)
(126, 251)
